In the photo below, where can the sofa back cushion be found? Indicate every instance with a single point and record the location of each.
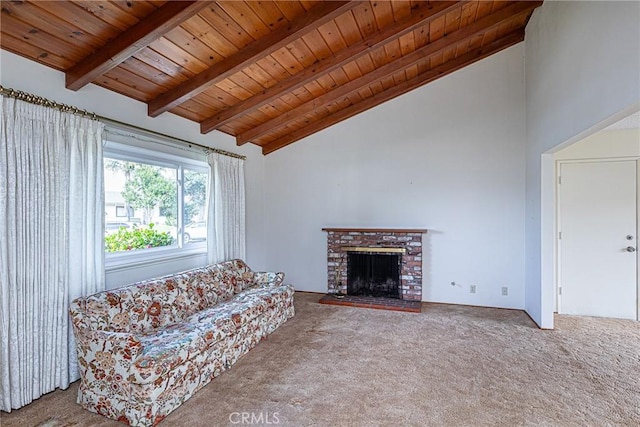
(236, 274)
(156, 303)
(159, 302)
(200, 288)
(217, 282)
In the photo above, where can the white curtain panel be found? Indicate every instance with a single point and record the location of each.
(226, 209)
(51, 243)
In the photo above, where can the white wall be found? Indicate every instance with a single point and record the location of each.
(605, 144)
(448, 157)
(28, 76)
(582, 73)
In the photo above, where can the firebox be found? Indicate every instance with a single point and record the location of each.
(374, 274)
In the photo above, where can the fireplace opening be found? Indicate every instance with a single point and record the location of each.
(374, 275)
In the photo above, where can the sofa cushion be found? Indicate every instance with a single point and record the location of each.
(168, 347)
(239, 310)
(271, 295)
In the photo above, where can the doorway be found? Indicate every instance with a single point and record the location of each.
(597, 238)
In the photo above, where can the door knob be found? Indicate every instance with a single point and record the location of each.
(631, 249)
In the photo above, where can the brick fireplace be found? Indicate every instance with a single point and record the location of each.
(382, 244)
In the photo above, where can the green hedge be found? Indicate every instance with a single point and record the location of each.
(137, 238)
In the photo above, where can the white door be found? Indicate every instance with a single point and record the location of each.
(598, 239)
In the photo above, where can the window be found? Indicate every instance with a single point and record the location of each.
(122, 211)
(155, 204)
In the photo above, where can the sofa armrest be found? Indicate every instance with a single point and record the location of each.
(110, 352)
(267, 278)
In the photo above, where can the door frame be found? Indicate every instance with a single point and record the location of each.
(558, 256)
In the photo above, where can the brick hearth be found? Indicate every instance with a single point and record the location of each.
(371, 302)
(339, 240)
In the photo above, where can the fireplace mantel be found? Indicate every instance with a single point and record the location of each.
(378, 230)
(375, 249)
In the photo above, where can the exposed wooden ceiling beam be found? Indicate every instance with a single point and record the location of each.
(426, 14)
(130, 42)
(482, 25)
(313, 18)
(420, 80)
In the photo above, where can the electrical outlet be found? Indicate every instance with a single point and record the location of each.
(505, 291)
(472, 289)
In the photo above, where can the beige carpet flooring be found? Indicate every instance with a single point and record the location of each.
(447, 366)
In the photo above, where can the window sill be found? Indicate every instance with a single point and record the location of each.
(132, 261)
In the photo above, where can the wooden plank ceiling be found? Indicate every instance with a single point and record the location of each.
(266, 72)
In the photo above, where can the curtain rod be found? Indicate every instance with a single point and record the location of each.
(38, 100)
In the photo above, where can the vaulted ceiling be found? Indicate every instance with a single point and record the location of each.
(266, 72)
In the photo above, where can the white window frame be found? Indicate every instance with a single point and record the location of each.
(138, 147)
(124, 208)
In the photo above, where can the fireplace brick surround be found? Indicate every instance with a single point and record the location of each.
(341, 240)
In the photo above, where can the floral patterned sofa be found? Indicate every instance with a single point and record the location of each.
(146, 348)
